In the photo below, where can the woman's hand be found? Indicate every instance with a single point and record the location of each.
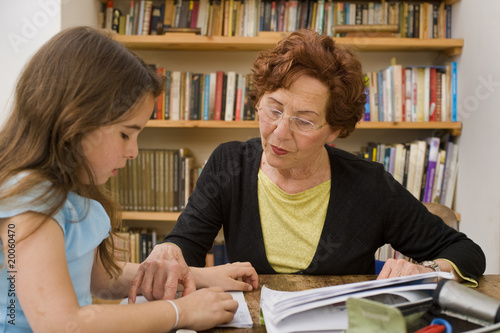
(400, 267)
(159, 275)
(205, 308)
(227, 276)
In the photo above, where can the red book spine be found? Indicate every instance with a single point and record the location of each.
(237, 110)
(432, 92)
(218, 95)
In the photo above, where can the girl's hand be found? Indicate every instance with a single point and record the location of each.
(205, 308)
(240, 276)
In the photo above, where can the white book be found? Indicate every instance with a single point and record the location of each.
(450, 188)
(251, 13)
(449, 153)
(426, 92)
(292, 15)
(230, 96)
(412, 166)
(398, 162)
(175, 96)
(436, 192)
(397, 93)
(387, 90)
(187, 96)
(419, 171)
(202, 21)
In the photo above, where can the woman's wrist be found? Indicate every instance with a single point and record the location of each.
(198, 277)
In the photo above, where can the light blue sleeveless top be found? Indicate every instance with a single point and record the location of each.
(85, 225)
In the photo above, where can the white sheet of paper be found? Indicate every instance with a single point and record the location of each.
(242, 317)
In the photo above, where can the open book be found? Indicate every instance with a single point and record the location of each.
(324, 309)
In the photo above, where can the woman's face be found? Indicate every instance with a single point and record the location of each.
(293, 142)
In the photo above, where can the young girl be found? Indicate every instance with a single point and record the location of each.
(79, 106)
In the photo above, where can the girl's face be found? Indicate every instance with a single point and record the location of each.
(285, 143)
(108, 148)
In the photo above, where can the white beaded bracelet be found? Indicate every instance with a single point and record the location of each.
(176, 313)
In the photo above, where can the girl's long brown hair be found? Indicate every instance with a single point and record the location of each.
(78, 81)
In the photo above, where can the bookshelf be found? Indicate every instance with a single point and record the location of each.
(183, 51)
(455, 128)
(192, 42)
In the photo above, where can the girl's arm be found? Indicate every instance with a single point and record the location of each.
(47, 297)
(105, 287)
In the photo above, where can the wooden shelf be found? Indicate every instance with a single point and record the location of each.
(202, 124)
(454, 127)
(191, 42)
(151, 216)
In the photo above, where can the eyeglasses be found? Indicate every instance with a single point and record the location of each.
(298, 125)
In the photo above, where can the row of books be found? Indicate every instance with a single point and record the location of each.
(427, 168)
(158, 180)
(249, 17)
(424, 20)
(416, 93)
(134, 244)
(195, 96)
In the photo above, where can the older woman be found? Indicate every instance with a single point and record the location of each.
(290, 203)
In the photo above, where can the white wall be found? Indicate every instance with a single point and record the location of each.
(478, 187)
(25, 25)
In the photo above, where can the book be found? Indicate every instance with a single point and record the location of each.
(157, 14)
(431, 168)
(206, 97)
(230, 96)
(447, 166)
(146, 21)
(168, 16)
(324, 309)
(453, 91)
(452, 179)
(419, 168)
(397, 87)
(175, 96)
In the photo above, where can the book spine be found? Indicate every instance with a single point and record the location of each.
(230, 96)
(432, 94)
(218, 95)
(168, 83)
(175, 96)
(454, 91)
(431, 168)
(206, 97)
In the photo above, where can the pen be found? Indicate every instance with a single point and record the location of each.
(437, 325)
(432, 328)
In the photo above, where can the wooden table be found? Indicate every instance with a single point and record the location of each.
(488, 284)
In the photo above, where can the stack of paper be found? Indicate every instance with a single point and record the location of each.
(324, 308)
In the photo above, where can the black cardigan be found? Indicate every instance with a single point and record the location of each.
(367, 209)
